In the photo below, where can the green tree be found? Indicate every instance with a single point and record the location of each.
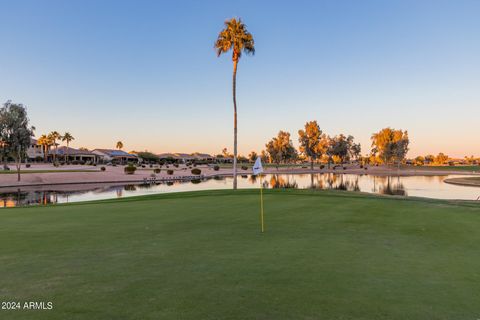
(119, 145)
(441, 158)
(390, 145)
(252, 156)
(340, 146)
(281, 149)
(67, 137)
(54, 136)
(310, 140)
(235, 37)
(15, 132)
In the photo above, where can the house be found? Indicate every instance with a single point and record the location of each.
(71, 154)
(34, 151)
(115, 156)
(203, 157)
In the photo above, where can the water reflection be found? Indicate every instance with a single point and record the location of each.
(420, 186)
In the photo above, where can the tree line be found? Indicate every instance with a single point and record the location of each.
(389, 146)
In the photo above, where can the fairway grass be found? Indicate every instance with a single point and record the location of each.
(200, 255)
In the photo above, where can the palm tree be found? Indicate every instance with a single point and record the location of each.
(235, 37)
(54, 136)
(44, 141)
(119, 145)
(67, 137)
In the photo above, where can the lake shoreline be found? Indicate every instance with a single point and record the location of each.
(88, 175)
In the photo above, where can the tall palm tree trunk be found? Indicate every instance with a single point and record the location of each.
(67, 161)
(235, 124)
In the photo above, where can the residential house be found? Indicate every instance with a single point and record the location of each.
(115, 156)
(34, 151)
(70, 155)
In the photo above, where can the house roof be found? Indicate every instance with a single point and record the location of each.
(116, 153)
(202, 155)
(70, 151)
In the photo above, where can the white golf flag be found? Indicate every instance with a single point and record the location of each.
(257, 167)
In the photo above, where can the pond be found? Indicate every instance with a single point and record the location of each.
(417, 186)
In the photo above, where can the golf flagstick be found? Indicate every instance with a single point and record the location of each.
(258, 169)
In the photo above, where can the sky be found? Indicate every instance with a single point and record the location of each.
(145, 72)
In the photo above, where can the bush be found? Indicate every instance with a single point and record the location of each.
(244, 168)
(344, 168)
(130, 169)
(103, 168)
(56, 164)
(151, 165)
(169, 171)
(156, 170)
(216, 168)
(175, 165)
(322, 166)
(27, 165)
(196, 171)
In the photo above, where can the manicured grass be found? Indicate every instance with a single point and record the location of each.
(468, 181)
(446, 168)
(27, 171)
(325, 255)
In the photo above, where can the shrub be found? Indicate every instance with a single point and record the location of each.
(156, 170)
(130, 169)
(56, 164)
(75, 162)
(176, 165)
(151, 165)
(344, 168)
(244, 168)
(94, 164)
(169, 171)
(196, 171)
(322, 166)
(81, 162)
(103, 168)
(27, 165)
(216, 168)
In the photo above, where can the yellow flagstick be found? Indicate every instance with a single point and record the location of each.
(261, 204)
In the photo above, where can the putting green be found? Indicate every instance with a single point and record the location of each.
(325, 255)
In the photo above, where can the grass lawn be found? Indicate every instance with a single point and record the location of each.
(325, 255)
(446, 168)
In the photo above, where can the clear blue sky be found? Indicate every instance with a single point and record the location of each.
(145, 72)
